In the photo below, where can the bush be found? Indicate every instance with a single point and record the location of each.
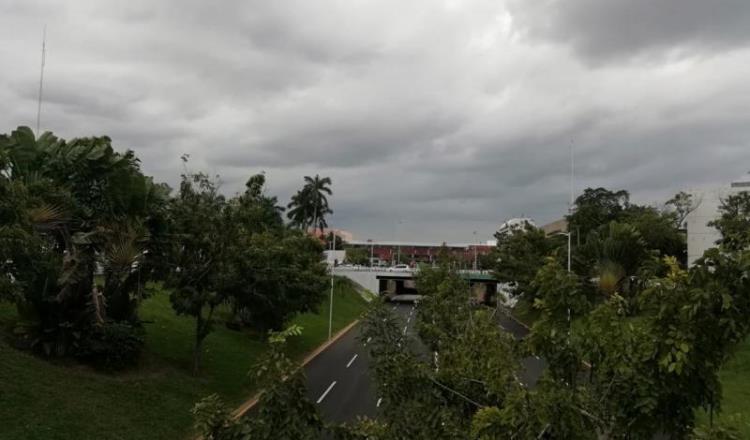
(112, 346)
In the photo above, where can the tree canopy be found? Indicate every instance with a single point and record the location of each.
(309, 206)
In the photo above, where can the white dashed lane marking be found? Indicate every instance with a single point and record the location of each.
(325, 393)
(379, 402)
(351, 361)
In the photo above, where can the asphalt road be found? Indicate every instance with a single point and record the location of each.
(340, 383)
(339, 380)
(532, 366)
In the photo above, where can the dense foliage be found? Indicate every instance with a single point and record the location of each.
(519, 255)
(633, 343)
(68, 210)
(238, 252)
(82, 230)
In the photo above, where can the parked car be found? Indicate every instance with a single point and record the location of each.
(399, 268)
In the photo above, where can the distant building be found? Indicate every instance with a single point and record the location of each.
(340, 233)
(515, 224)
(556, 227)
(395, 252)
(700, 236)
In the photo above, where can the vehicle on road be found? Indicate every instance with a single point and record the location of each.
(399, 268)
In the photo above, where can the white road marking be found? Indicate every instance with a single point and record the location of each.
(536, 357)
(379, 401)
(405, 327)
(351, 361)
(368, 340)
(408, 320)
(325, 393)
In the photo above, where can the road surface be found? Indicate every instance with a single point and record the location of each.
(533, 365)
(339, 380)
(340, 383)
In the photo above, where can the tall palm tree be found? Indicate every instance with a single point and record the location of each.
(298, 210)
(309, 206)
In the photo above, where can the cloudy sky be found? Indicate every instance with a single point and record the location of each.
(434, 118)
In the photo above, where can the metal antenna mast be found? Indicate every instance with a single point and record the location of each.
(572, 198)
(41, 81)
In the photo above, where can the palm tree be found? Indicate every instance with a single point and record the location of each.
(309, 206)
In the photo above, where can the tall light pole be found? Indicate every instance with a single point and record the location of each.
(372, 251)
(398, 243)
(330, 301)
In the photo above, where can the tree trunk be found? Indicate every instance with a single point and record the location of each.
(197, 355)
(315, 216)
(198, 349)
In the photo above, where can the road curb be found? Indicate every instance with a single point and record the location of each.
(518, 321)
(510, 314)
(250, 403)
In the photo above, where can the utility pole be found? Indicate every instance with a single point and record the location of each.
(41, 81)
(372, 251)
(330, 301)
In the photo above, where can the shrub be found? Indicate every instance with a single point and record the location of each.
(112, 346)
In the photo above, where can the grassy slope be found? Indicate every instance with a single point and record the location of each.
(40, 400)
(735, 381)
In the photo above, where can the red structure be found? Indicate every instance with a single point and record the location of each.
(389, 253)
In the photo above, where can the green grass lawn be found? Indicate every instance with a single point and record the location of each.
(735, 382)
(44, 400)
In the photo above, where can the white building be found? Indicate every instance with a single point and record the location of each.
(515, 224)
(700, 236)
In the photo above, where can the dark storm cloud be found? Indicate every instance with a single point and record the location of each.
(603, 30)
(434, 118)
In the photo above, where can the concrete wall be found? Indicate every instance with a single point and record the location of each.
(365, 278)
(334, 256)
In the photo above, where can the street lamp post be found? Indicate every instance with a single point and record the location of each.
(330, 301)
(372, 251)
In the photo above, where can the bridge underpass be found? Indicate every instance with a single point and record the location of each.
(384, 282)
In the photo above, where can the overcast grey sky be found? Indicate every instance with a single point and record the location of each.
(433, 118)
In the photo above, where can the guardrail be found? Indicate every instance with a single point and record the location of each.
(388, 269)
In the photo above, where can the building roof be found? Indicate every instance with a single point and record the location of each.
(415, 244)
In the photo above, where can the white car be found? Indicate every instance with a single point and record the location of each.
(399, 268)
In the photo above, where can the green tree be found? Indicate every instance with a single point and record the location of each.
(198, 254)
(734, 221)
(253, 211)
(357, 256)
(682, 204)
(270, 277)
(659, 230)
(76, 206)
(284, 410)
(518, 256)
(596, 207)
(309, 206)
